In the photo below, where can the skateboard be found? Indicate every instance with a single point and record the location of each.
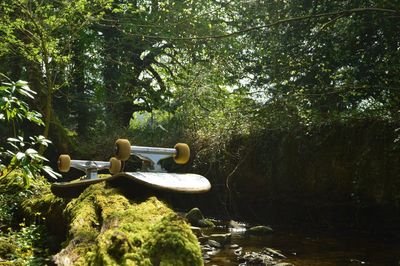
(152, 175)
(76, 187)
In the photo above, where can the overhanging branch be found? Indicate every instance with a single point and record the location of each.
(276, 23)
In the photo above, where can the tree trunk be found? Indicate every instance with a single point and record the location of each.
(81, 102)
(106, 228)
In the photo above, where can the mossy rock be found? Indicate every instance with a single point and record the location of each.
(259, 230)
(108, 229)
(195, 217)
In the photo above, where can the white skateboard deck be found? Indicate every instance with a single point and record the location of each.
(170, 182)
(185, 183)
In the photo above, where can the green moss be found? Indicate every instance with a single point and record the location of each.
(33, 204)
(171, 242)
(107, 229)
(7, 249)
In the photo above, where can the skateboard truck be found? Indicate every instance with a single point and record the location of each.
(180, 153)
(91, 168)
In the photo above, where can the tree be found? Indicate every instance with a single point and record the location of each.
(321, 61)
(40, 34)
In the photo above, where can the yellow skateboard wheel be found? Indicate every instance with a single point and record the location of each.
(115, 165)
(182, 153)
(64, 163)
(122, 149)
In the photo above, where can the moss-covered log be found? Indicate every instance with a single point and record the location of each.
(100, 227)
(108, 229)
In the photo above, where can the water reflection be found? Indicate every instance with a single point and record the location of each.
(319, 248)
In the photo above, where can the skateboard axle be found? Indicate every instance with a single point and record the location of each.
(154, 155)
(90, 167)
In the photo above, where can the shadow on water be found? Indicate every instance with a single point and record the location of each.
(319, 248)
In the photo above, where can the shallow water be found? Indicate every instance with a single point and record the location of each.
(316, 248)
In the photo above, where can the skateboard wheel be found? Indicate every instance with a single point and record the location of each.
(64, 163)
(122, 149)
(115, 165)
(182, 153)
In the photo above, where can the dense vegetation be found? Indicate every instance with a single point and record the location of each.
(293, 100)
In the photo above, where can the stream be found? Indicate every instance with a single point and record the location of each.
(309, 248)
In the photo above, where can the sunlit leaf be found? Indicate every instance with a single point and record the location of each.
(13, 140)
(51, 172)
(31, 151)
(20, 156)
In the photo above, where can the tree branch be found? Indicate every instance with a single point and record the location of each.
(160, 81)
(338, 14)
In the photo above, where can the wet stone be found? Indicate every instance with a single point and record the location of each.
(196, 231)
(274, 253)
(195, 218)
(259, 230)
(267, 256)
(194, 215)
(206, 256)
(238, 251)
(238, 225)
(214, 243)
(202, 239)
(207, 248)
(205, 223)
(222, 239)
(254, 258)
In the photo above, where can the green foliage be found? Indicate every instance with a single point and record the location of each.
(323, 69)
(25, 246)
(28, 160)
(12, 108)
(14, 193)
(22, 243)
(289, 64)
(21, 155)
(36, 34)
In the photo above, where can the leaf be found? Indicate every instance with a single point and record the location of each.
(13, 140)
(27, 93)
(20, 156)
(26, 176)
(41, 140)
(39, 157)
(10, 153)
(14, 146)
(31, 151)
(51, 172)
(21, 83)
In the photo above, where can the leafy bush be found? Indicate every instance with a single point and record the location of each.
(21, 154)
(26, 246)
(20, 243)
